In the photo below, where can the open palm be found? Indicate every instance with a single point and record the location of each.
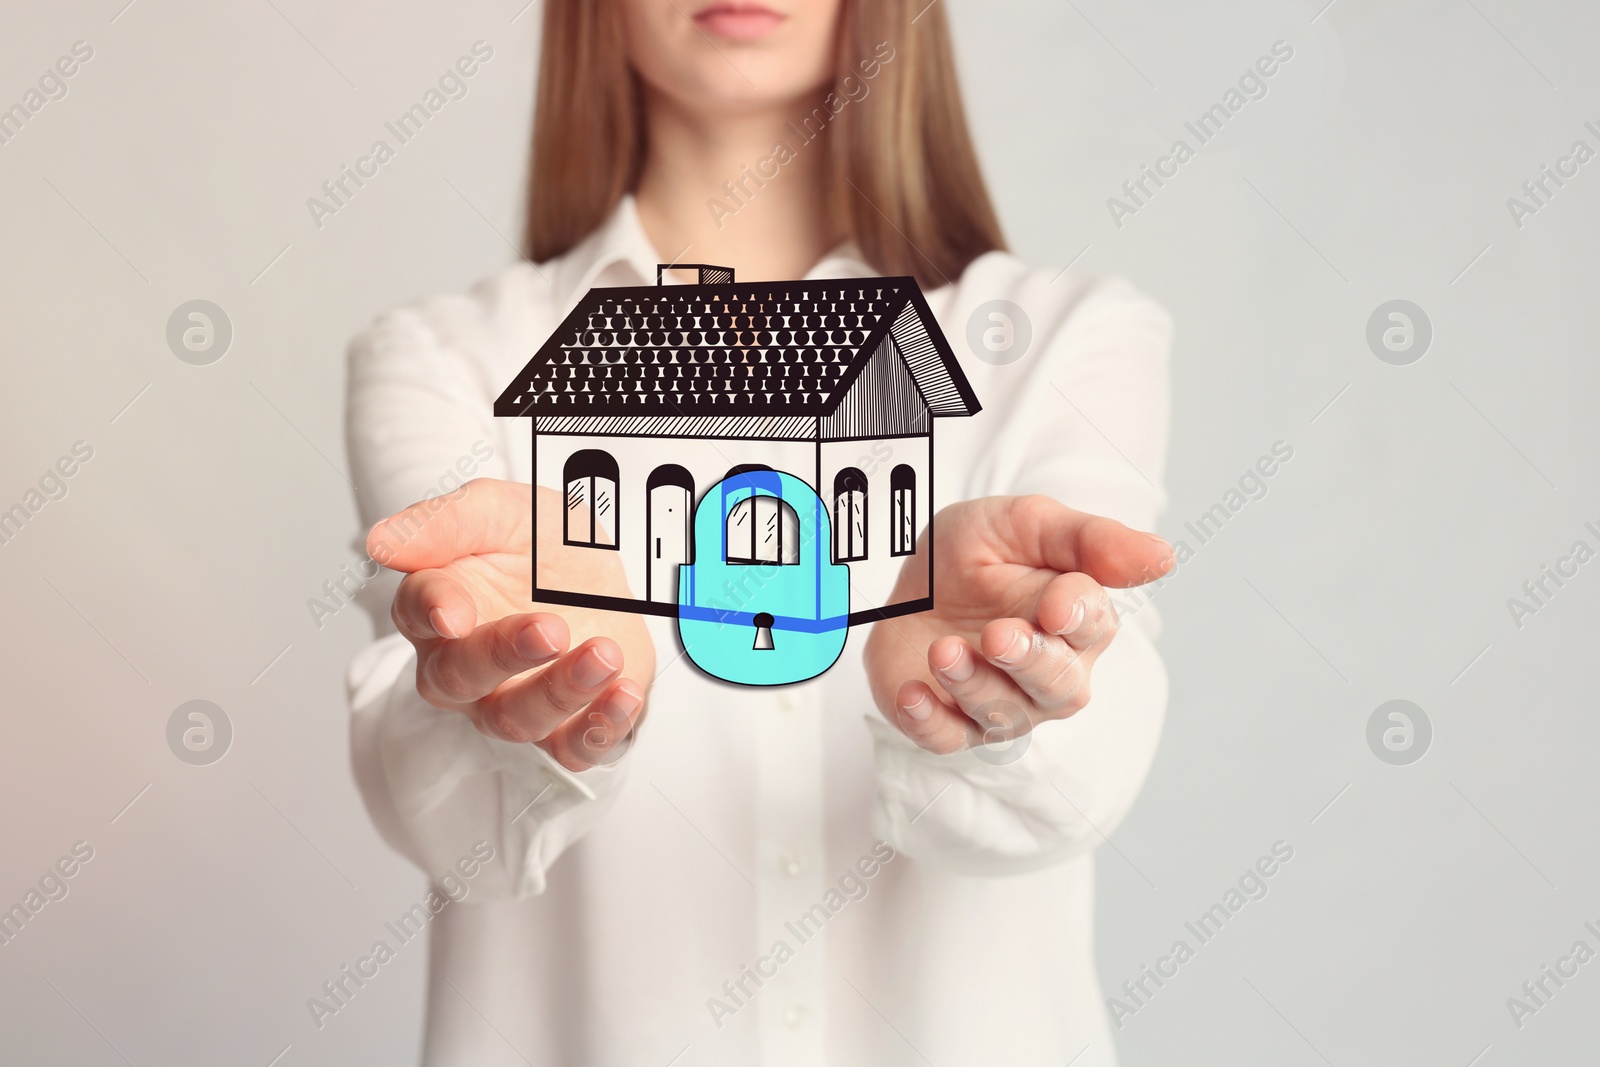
(1020, 615)
(573, 680)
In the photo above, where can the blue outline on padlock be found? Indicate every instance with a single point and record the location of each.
(808, 602)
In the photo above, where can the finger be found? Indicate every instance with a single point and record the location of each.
(464, 670)
(1055, 536)
(934, 724)
(594, 736)
(530, 709)
(1077, 607)
(431, 604)
(1053, 674)
(484, 515)
(985, 694)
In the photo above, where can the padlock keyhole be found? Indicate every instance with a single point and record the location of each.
(763, 623)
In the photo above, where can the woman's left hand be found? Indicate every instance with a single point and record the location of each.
(1020, 615)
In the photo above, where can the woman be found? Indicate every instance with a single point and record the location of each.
(838, 872)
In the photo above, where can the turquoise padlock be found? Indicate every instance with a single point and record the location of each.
(763, 603)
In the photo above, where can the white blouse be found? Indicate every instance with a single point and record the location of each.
(768, 877)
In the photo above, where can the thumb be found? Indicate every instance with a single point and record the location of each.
(1065, 540)
(485, 515)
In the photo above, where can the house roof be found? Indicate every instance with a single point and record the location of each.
(743, 348)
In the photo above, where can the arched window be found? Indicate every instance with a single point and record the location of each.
(902, 511)
(591, 512)
(763, 529)
(849, 515)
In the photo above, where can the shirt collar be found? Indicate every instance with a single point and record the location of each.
(619, 253)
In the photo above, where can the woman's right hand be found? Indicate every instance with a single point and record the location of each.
(571, 680)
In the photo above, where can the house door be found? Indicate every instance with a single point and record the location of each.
(669, 512)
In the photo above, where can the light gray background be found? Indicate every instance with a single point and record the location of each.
(1377, 567)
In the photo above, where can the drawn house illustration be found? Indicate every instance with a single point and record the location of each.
(645, 398)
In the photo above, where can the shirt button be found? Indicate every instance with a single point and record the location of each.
(794, 1015)
(792, 863)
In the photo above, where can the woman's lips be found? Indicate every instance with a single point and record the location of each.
(737, 22)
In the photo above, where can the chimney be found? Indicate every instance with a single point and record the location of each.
(709, 274)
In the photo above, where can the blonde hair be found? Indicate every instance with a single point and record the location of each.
(905, 177)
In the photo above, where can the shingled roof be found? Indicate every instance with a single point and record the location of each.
(770, 348)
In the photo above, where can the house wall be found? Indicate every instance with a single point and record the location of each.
(707, 460)
(871, 580)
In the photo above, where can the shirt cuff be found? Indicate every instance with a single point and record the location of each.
(1042, 799)
(449, 786)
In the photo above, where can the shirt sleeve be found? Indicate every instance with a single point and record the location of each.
(418, 425)
(1088, 426)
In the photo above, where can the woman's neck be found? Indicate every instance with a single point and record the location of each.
(712, 190)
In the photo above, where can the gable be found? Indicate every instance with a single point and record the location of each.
(883, 401)
(926, 352)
